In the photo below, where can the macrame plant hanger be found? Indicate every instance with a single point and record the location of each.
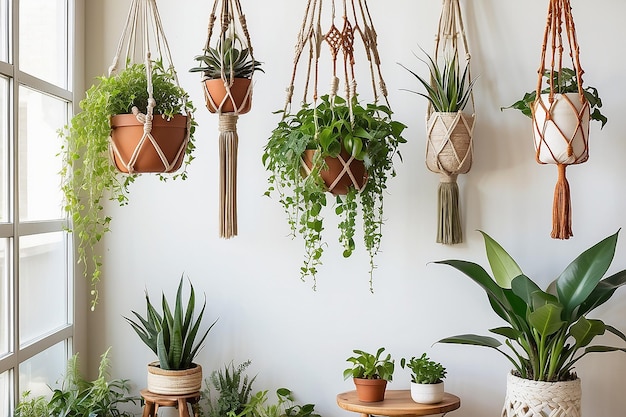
(560, 142)
(142, 33)
(229, 97)
(449, 146)
(357, 22)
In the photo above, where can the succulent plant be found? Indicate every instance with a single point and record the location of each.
(230, 59)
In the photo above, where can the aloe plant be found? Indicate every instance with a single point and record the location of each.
(172, 334)
(548, 332)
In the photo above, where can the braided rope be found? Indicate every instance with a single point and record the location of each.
(527, 398)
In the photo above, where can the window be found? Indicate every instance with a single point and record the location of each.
(36, 274)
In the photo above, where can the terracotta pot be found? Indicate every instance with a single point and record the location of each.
(427, 393)
(370, 390)
(171, 137)
(562, 137)
(449, 145)
(526, 398)
(336, 170)
(216, 97)
(181, 382)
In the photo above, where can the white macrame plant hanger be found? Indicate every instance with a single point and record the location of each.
(142, 32)
(231, 21)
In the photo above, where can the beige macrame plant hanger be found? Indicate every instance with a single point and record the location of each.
(449, 145)
(559, 33)
(143, 33)
(231, 22)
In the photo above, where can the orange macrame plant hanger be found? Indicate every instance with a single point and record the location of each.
(560, 121)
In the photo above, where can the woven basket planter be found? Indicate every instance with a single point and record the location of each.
(526, 398)
(449, 146)
(343, 172)
(181, 382)
(161, 151)
(217, 98)
(562, 137)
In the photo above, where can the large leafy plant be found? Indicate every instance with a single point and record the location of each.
(172, 334)
(78, 397)
(88, 176)
(548, 331)
(370, 366)
(368, 134)
(563, 81)
(448, 88)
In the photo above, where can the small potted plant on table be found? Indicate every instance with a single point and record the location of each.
(370, 373)
(427, 377)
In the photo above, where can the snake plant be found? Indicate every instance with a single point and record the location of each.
(547, 331)
(172, 334)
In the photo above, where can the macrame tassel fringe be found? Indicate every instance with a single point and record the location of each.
(229, 142)
(561, 208)
(449, 230)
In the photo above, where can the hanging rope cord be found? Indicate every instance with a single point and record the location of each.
(144, 14)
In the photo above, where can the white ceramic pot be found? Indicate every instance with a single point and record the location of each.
(427, 393)
(561, 129)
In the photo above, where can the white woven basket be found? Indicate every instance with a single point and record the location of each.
(526, 398)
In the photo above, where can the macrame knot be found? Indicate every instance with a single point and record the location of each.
(228, 122)
(570, 150)
(145, 119)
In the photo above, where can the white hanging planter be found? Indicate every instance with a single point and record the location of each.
(427, 393)
(527, 398)
(561, 129)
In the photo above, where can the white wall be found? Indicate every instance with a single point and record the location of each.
(299, 338)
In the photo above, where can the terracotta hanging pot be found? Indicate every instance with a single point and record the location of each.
(370, 390)
(134, 153)
(527, 398)
(449, 146)
(561, 129)
(342, 172)
(239, 100)
(174, 382)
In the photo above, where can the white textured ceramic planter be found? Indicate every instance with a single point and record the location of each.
(562, 136)
(427, 393)
(526, 398)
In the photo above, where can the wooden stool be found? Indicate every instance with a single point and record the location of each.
(154, 401)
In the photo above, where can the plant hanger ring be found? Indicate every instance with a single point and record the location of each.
(144, 17)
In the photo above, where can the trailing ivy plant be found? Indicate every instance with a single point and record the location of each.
(367, 133)
(88, 176)
(563, 81)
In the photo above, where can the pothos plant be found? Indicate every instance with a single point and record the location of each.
(368, 134)
(88, 176)
(563, 81)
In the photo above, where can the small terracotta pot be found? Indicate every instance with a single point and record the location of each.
(215, 96)
(171, 137)
(370, 390)
(335, 168)
(168, 382)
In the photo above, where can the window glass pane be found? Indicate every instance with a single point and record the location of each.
(4, 38)
(44, 371)
(43, 277)
(5, 393)
(5, 305)
(43, 40)
(4, 139)
(39, 145)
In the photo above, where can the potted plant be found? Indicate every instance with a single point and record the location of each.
(174, 336)
(548, 331)
(361, 142)
(230, 64)
(570, 145)
(80, 397)
(450, 136)
(370, 373)
(427, 377)
(89, 177)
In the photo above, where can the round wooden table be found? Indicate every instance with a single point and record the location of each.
(397, 403)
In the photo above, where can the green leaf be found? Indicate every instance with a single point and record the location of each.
(546, 319)
(584, 330)
(472, 339)
(503, 267)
